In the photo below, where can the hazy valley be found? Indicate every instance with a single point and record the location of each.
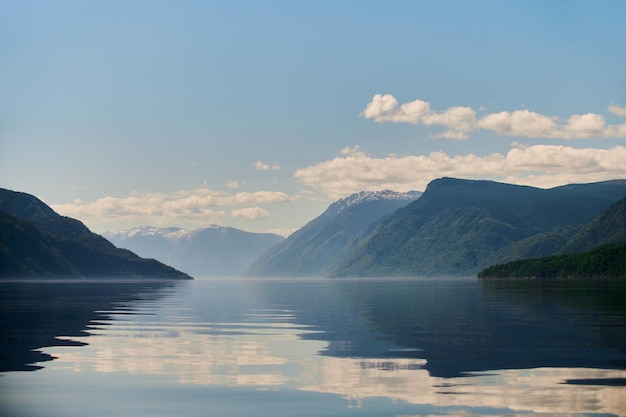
(208, 252)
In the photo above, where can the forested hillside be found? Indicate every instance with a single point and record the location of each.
(606, 261)
(318, 247)
(37, 242)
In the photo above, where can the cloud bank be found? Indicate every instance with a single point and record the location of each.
(538, 165)
(251, 213)
(200, 205)
(353, 170)
(460, 121)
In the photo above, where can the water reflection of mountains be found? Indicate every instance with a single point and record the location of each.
(462, 326)
(457, 326)
(44, 313)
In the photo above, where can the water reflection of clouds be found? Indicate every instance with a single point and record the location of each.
(538, 390)
(273, 355)
(217, 353)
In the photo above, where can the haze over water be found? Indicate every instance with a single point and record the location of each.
(317, 347)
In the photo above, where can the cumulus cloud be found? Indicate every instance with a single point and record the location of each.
(537, 165)
(384, 108)
(618, 110)
(252, 213)
(459, 121)
(261, 197)
(585, 126)
(617, 131)
(518, 123)
(262, 166)
(198, 206)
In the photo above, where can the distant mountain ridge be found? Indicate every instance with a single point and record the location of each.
(458, 227)
(145, 230)
(206, 252)
(317, 247)
(35, 241)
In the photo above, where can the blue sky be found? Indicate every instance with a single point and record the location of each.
(257, 114)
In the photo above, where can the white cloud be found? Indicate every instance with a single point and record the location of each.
(584, 126)
(520, 123)
(458, 119)
(618, 110)
(261, 197)
(384, 108)
(538, 165)
(199, 206)
(252, 213)
(232, 184)
(262, 166)
(616, 131)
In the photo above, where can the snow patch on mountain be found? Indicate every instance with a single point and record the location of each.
(169, 233)
(368, 196)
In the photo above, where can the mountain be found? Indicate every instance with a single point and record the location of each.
(35, 241)
(208, 252)
(459, 227)
(608, 227)
(316, 248)
(598, 249)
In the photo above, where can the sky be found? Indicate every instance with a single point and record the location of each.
(259, 114)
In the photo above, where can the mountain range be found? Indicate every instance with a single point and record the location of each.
(458, 227)
(213, 251)
(35, 241)
(317, 248)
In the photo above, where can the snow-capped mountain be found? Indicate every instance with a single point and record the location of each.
(315, 248)
(169, 233)
(365, 196)
(210, 251)
(368, 196)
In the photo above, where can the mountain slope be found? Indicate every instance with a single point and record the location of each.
(597, 250)
(208, 252)
(24, 250)
(459, 226)
(609, 227)
(316, 248)
(35, 241)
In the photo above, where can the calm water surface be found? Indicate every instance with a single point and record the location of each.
(315, 347)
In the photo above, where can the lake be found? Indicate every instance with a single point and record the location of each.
(313, 347)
